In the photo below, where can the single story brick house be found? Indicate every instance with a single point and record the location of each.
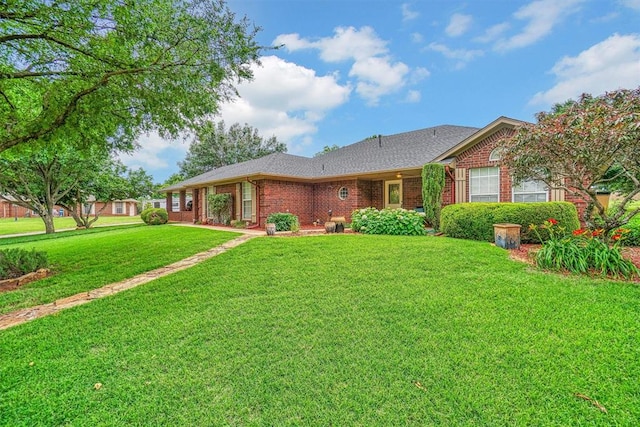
(127, 207)
(382, 171)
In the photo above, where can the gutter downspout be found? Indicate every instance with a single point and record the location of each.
(447, 170)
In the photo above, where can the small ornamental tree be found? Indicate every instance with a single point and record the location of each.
(581, 147)
(433, 180)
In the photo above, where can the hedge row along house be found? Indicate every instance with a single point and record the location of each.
(382, 172)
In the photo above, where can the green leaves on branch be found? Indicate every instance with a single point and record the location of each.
(433, 180)
(582, 147)
(215, 146)
(87, 71)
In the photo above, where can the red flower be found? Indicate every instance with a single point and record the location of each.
(553, 221)
(616, 236)
(579, 232)
(596, 233)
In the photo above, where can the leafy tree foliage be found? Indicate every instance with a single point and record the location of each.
(40, 177)
(105, 70)
(582, 146)
(215, 146)
(326, 149)
(433, 180)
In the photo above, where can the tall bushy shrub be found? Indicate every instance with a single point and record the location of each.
(220, 207)
(155, 216)
(433, 180)
(388, 221)
(18, 262)
(284, 221)
(475, 221)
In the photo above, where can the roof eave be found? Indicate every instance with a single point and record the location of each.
(478, 136)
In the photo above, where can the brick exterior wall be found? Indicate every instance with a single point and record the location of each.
(412, 193)
(478, 157)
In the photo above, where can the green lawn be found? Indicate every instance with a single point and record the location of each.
(88, 259)
(32, 225)
(335, 330)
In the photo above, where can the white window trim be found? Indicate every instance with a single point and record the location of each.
(513, 192)
(472, 195)
(246, 216)
(495, 155)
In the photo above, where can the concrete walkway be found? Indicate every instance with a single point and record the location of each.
(24, 315)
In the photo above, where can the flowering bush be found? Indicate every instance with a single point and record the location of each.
(583, 251)
(388, 221)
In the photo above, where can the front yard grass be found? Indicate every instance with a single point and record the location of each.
(88, 259)
(35, 224)
(336, 330)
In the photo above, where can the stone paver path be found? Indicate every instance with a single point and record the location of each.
(22, 316)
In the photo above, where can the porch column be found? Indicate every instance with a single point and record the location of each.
(183, 200)
(169, 201)
(195, 204)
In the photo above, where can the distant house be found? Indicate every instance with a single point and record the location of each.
(383, 172)
(128, 207)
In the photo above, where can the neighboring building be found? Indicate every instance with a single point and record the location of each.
(383, 172)
(128, 207)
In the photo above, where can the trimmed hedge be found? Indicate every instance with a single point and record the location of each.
(155, 216)
(284, 221)
(474, 221)
(399, 222)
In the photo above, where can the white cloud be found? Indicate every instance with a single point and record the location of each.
(413, 96)
(633, 4)
(148, 155)
(375, 72)
(417, 37)
(285, 100)
(493, 33)
(458, 25)
(609, 65)
(463, 56)
(407, 13)
(542, 17)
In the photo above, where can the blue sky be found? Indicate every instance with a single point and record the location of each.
(350, 69)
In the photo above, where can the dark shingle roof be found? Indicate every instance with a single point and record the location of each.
(406, 150)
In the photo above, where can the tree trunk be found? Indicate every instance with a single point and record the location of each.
(48, 223)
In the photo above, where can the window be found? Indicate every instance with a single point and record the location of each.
(530, 191)
(119, 208)
(246, 201)
(496, 154)
(343, 192)
(484, 185)
(86, 208)
(156, 205)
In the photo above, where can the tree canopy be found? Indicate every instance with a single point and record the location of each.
(326, 149)
(215, 146)
(105, 70)
(582, 147)
(40, 177)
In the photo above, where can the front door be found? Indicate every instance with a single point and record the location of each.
(393, 194)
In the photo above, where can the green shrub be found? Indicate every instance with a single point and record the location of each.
(220, 207)
(144, 214)
(399, 222)
(583, 251)
(18, 262)
(155, 216)
(433, 180)
(474, 221)
(284, 221)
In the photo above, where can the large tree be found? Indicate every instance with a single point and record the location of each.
(215, 146)
(39, 177)
(105, 70)
(581, 147)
